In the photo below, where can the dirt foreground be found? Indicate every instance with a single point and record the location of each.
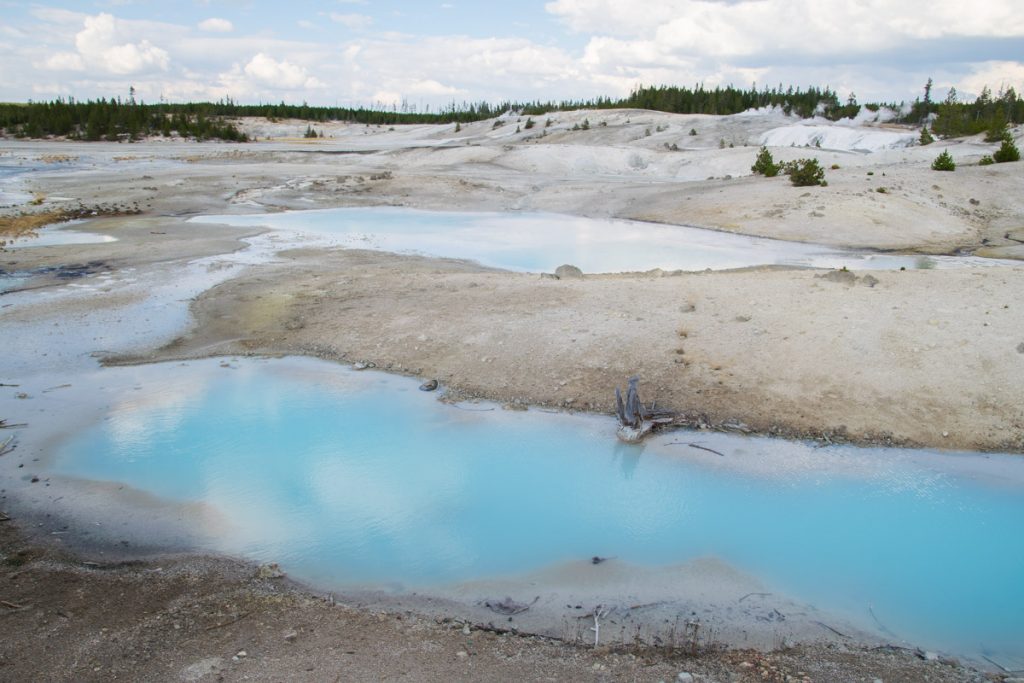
(925, 357)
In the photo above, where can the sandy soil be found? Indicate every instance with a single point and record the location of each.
(933, 358)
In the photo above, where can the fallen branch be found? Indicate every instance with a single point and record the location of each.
(241, 616)
(694, 445)
(508, 606)
(4, 425)
(824, 625)
(6, 446)
(11, 605)
(4, 517)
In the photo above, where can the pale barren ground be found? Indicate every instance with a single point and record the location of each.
(932, 357)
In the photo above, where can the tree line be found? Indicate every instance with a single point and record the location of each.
(117, 119)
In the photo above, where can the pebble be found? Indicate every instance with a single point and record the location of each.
(933, 656)
(291, 636)
(462, 654)
(684, 677)
(429, 385)
(465, 630)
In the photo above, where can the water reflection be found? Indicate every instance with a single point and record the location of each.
(538, 242)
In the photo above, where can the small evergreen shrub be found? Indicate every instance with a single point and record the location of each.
(693, 131)
(805, 172)
(997, 131)
(986, 160)
(926, 137)
(529, 124)
(765, 165)
(835, 167)
(1007, 151)
(944, 162)
(586, 124)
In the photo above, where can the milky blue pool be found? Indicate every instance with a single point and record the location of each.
(540, 242)
(352, 479)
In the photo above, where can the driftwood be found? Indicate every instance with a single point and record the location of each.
(633, 423)
(7, 446)
(508, 606)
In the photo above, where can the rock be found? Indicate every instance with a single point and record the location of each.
(291, 636)
(462, 654)
(844, 276)
(269, 571)
(568, 271)
(687, 308)
(1020, 347)
(869, 280)
(204, 667)
(684, 677)
(930, 656)
(429, 385)
(465, 629)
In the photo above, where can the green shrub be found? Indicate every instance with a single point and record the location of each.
(986, 160)
(926, 137)
(693, 131)
(1007, 151)
(835, 167)
(529, 124)
(764, 164)
(997, 131)
(805, 172)
(881, 190)
(944, 162)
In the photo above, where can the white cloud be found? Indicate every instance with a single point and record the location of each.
(750, 27)
(267, 71)
(996, 75)
(63, 61)
(99, 45)
(356, 22)
(216, 25)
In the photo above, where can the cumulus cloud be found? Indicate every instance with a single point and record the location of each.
(997, 75)
(216, 25)
(63, 61)
(267, 71)
(100, 45)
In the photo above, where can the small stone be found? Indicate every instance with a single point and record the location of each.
(869, 280)
(687, 308)
(568, 271)
(291, 636)
(932, 656)
(1020, 347)
(684, 677)
(241, 653)
(465, 629)
(462, 654)
(269, 571)
(429, 385)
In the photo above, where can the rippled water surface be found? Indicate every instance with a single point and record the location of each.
(353, 479)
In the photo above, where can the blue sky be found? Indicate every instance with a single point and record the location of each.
(361, 52)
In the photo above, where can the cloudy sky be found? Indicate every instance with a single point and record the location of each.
(362, 52)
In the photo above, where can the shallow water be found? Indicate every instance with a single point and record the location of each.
(539, 242)
(358, 479)
(58, 236)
